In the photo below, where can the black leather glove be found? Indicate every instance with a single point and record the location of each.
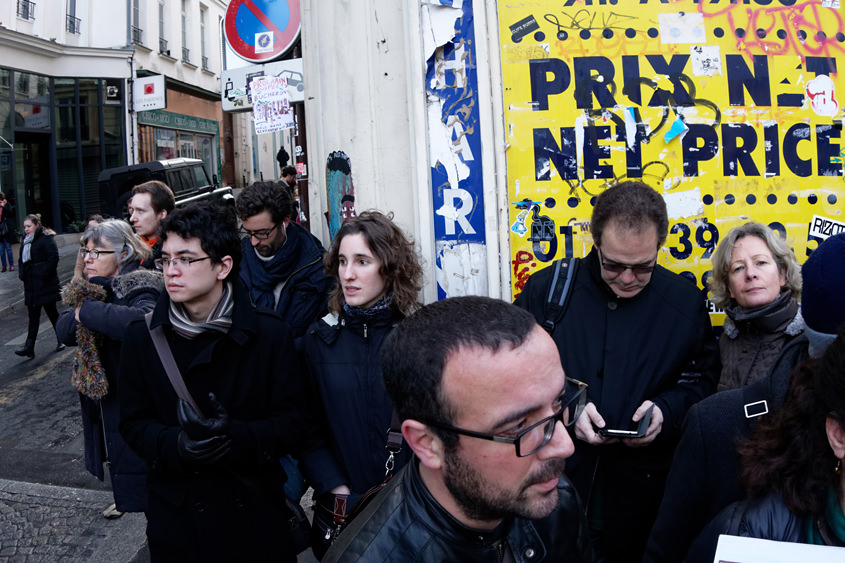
(199, 429)
(204, 452)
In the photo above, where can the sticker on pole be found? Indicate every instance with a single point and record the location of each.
(262, 30)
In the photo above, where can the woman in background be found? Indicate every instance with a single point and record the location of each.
(7, 233)
(757, 281)
(378, 276)
(38, 264)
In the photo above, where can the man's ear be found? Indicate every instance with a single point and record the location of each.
(162, 214)
(835, 437)
(424, 442)
(226, 264)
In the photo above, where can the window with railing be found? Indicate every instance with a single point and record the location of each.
(205, 63)
(186, 55)
(162, 47)
(26, 9)
(73, 25)
(137, 35)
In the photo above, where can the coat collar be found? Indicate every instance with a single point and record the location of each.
(244, 320)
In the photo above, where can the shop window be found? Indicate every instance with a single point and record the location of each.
(165, 143)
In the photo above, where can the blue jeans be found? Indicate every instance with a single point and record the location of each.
(6, 251)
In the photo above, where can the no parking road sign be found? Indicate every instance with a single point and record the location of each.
(262, 30)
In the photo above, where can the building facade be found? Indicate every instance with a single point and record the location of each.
(66, 97)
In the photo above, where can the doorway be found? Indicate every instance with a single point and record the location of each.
(32, 189)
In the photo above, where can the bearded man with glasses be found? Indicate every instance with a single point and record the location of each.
(485, 406)
(640, 337)
(282, 262)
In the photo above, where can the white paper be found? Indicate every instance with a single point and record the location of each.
(733, 549)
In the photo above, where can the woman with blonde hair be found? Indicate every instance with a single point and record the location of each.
(757, 281)
(378, 276)
(38, 270)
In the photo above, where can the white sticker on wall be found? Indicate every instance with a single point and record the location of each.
(682, 27)
(706, 60)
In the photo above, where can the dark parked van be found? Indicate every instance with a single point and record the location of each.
(185, 176)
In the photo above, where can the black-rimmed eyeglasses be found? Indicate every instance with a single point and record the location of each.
(535, 437)
(95, 254)
(181, 262)
(617, 268)
(259, 235)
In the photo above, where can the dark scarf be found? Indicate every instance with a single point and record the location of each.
(219, 320)
(833, 523)
(262, 277)
(773, 317)
(364, 315)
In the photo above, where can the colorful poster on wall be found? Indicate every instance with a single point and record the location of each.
(271, 104)
(730, 109)
(454, 134)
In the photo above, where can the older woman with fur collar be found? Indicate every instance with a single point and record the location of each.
(116, 293)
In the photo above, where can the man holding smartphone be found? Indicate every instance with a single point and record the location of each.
(640, 337)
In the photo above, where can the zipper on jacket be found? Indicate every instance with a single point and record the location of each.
(365, 330)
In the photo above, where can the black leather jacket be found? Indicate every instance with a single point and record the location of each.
(766, 518)
(405, 523)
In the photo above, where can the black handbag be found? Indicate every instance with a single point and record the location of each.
(298, 526)
(331, 512)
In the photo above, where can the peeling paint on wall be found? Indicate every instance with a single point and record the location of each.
(462, 268)
(455, 147)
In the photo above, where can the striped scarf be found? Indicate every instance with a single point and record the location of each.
(220, 318)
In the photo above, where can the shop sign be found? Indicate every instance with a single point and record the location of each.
(158, 118)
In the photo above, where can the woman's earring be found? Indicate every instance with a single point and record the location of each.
(838, 468)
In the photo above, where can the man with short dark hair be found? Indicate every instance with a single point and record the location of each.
(149, 205)
(282, 262)
(640, 337)
(484, 404)
(289, 178)
(216, 486)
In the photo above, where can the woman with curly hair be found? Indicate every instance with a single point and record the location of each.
(792, 465)
(757, 281)
(378, 276)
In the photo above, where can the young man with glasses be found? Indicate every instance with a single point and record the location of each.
(216, 486)
(640, 337)
(484, 405)
(282, 262)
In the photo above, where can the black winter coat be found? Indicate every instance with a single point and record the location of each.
(658, 345)
(39, 273)
(7, 216)
(704, 477)
(405, 523)
(232, 511)
(132, 294)
(344, 360)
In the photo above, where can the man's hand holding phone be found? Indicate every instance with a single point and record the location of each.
(587, 424)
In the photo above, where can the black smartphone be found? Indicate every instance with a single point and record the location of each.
(640, 430)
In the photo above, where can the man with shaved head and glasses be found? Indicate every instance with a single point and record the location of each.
(485, 406)
(640, 337)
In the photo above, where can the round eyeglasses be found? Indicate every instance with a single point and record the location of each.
(535, 437)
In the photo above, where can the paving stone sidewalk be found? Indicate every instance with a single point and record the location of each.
(47, 523)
